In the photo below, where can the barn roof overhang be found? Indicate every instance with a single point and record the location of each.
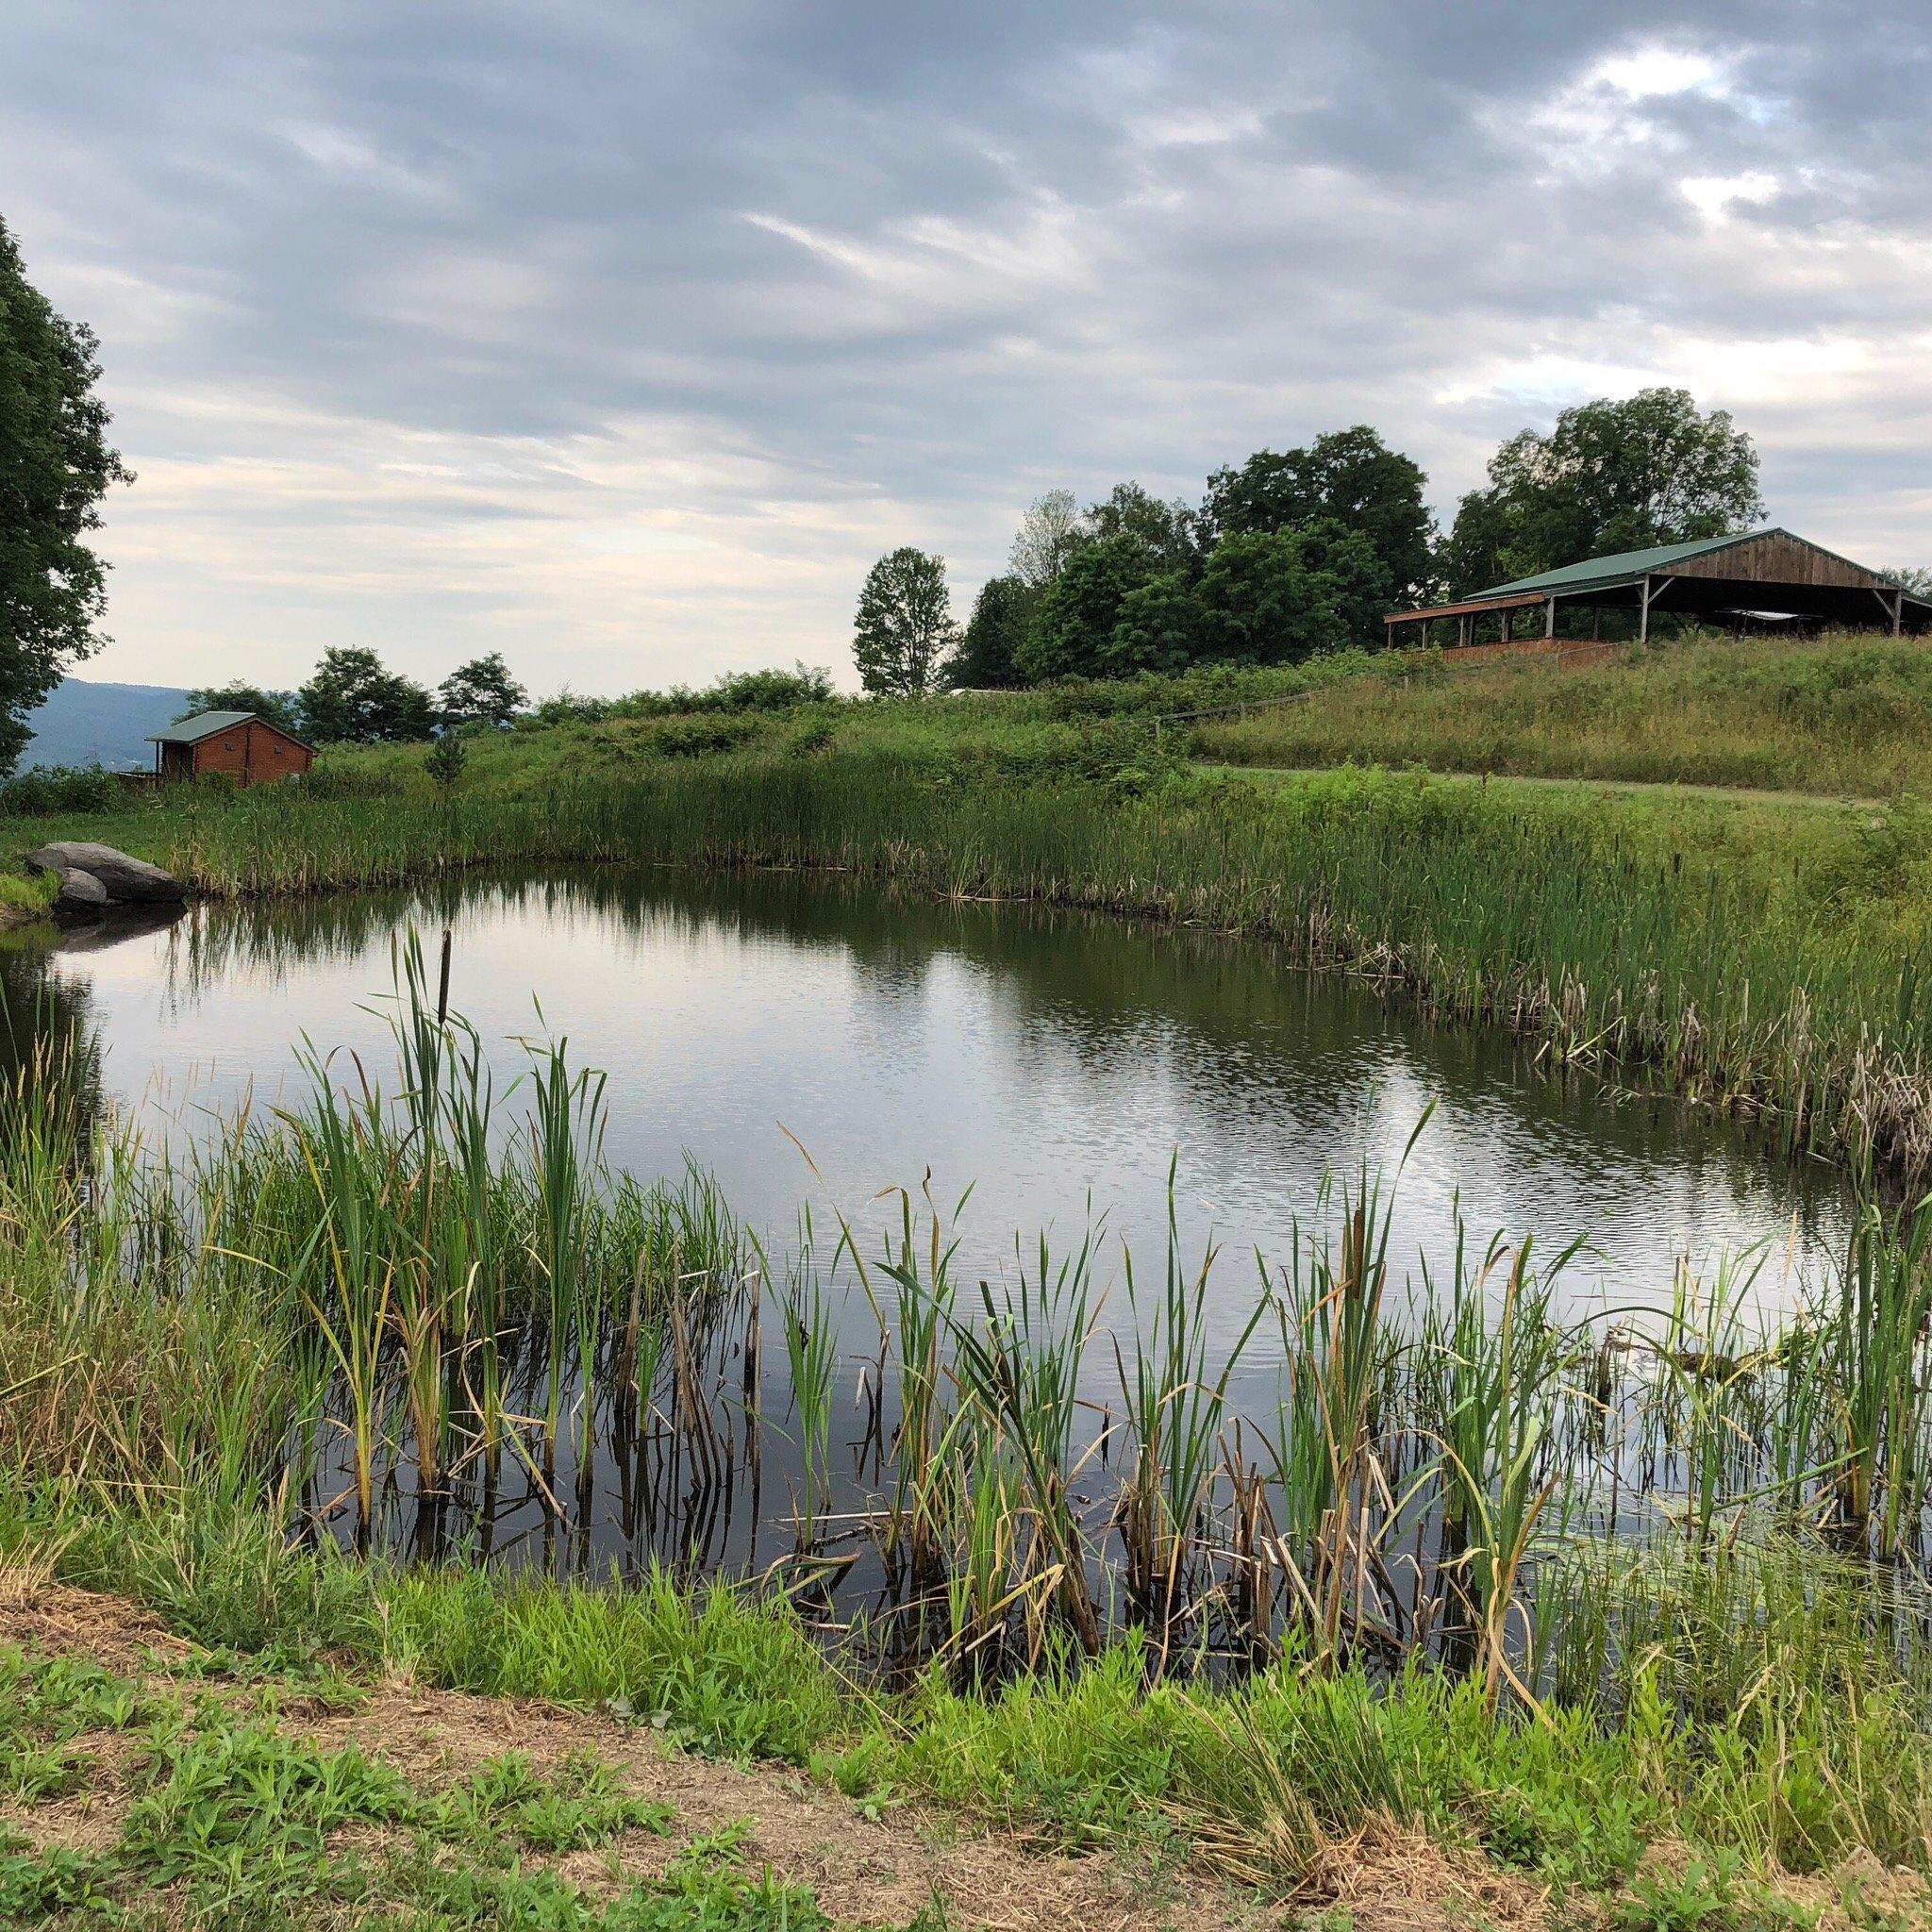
(1656, 577)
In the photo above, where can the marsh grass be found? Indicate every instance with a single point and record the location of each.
(1474, 1530)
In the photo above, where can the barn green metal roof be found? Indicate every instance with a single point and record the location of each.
(1621, 567)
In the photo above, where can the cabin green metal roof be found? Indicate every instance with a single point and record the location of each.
(1622, 567)
(203, 724)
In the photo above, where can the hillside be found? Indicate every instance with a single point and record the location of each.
(88, 723)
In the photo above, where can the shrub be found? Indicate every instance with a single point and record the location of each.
(62, 788)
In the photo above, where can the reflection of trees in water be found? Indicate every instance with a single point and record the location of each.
(1216, 1017)
(49, 1047)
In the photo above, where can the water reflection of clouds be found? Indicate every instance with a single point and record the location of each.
(1050, 1058)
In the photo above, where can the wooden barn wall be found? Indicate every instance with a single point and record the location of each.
(1780, 560)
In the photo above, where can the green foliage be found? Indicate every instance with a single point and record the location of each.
(62, 789)
(447, 760)
(988, 658)
(352, 700)
(1611, 476)
(481, 693)
(1072, 631)
(904, 629)
(1268, 598)
(1163, 626)
(55, 467)
(1170, 533)
(1350, 479)
(1049, 534)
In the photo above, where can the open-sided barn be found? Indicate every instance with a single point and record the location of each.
(1759, 572)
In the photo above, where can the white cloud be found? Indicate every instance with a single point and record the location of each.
(1712, 195)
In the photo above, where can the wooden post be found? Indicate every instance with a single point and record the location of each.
(1550, 617)
(1596, 621)
(1898, 612)
(1643, 621)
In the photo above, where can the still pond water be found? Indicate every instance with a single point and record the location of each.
(1056, 1063)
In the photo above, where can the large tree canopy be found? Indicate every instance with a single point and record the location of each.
(55, 467)
(904, 625)
(353, 700)
(1071, 632)
(279, 707)
(1049, 533)
(481, 693)
(1348, 476)
(1610, 477)
(1169, 532)
(1278, 596)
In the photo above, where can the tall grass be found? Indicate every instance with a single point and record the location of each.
(1781, 979)
(1839, 716)
(1705, 1539)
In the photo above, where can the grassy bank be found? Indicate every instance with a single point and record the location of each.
(1844, 716)
(1764, 959)
(1636, 1613)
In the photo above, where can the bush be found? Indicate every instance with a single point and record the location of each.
(62, 788)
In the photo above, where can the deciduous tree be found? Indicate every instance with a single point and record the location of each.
(482, 691)
(1611, 476)
(905, 623)
(1049, 534)
(55, 467)
(1169, 532)
(1071, 632)
(279, 707)
(1347, 476)
(989, 654)
(353, 700)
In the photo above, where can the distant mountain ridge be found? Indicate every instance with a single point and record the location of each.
(84, 723)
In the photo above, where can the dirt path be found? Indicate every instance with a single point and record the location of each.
(895, 1866)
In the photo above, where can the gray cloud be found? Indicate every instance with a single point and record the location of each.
(622, 338)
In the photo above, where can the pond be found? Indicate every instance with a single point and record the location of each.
(813, 1045)
(1056, 1063)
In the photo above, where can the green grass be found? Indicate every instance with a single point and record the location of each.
(1834, 716)
(1746, 1672)
(1730, 1655)
(235, 1818)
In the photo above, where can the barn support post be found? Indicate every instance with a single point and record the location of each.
(1643, 619)
(1596, 621)
(1550, 617)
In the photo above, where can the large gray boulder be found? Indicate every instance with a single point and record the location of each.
(81, 897)
(126, 881)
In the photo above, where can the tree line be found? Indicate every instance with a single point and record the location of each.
(1300, 551)
(353, 698)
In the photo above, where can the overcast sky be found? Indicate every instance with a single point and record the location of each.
(623, 338)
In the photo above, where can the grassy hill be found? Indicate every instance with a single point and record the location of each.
(1842, 716)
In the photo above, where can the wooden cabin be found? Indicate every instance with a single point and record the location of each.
(246, 745)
